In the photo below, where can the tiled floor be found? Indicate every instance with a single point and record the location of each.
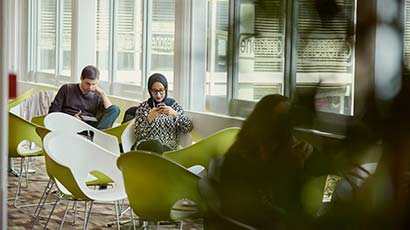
(102, 214)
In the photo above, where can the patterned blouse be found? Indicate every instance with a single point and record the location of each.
(163, 128)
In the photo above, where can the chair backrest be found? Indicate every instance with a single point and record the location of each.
(20, 130)
(42, 132)
(58, 121)
(207, 186)
(70, 158)
(128, 137)
(118, 130)
(38, 120)
(154, 184)
(129, 114)
(19, 99)
(204, 150)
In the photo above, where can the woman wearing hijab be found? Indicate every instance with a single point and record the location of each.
(160, 120)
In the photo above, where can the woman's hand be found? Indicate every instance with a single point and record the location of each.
(157, 111)
(153, 113)
(168, 110)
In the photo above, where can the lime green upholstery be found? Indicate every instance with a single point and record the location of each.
(117, 130)
(41, 132)
(19, 99)
(23, 143)
(312, 194)
(202, 152)
(20, 130)
(38, 120)
(154, 184)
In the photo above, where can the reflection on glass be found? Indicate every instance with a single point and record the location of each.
(407, 39)
(46, 46)
(261, 49)
(218, 18)
(129, 41)
(326, 53)
(66, 39)
(162, 39)
(103, 38)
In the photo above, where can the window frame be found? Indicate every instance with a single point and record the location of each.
(34, 74)
(190, 88)
(363, 41)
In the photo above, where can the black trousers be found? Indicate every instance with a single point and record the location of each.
(153, 146)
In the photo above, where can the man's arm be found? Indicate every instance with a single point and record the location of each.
(107, 103)
(58, 102)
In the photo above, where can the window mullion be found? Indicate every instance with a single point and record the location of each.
(113, 47)
(36, 34)
(59, 32)
(32, 38)
(146, 43)
(291, 43)
(233, 58)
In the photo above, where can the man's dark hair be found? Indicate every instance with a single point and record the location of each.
(90, 72)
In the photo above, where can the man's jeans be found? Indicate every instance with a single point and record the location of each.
(108, 118)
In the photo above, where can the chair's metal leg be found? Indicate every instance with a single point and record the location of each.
(75, 212)
(125, 210)
(41, 203)
(87, 214)
(117, 214)
(145, 224)
(132, 219)
(46, 192)
(51, 213)
(26, 166)
(35, 204)
(65, 214)
(122, 206)
(18, 192)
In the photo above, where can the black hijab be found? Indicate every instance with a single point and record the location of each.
(157, 77)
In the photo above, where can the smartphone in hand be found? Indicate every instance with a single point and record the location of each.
(160, 104)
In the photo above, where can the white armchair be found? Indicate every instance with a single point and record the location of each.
(69, 160)
(58, 121)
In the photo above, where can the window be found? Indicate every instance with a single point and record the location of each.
(407, 38)
(103, 23)
(66, 39)
(261, 49)
(119, 45)
(218, 19)
(129, 42)
(162, 39)
(265, 47)
(252, 48)
(326, 54)
(119, 48)
(46, 40)
(50, 39)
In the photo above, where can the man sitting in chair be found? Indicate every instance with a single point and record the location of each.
(86, 101)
